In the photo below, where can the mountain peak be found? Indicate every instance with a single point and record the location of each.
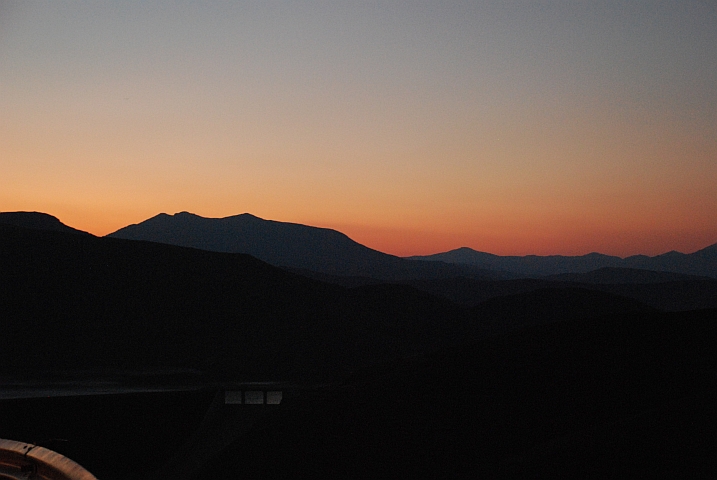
(467, 250)
(184, 214)
(283, 244)
(187, 215)
(247, 216)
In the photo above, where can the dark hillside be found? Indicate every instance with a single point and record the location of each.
(692, 293)
(289, 245)
(547, 305)
(549, 379)
(75, 302)
(612, 275)
(38, 221)
(71, 301)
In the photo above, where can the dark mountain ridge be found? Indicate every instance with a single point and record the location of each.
(288, 245)
(675, 295)
(329, 253)
(560, 381)
(700, 263)
(617, 275)
(80, 302)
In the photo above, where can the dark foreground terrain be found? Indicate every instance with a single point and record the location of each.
(552, 379)
(626, 396)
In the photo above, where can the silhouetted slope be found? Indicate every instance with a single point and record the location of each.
(584, 382)
(547, 305)
(38, 221)
(77, 301)
(612, 275)
(669, 296)
(702, 262)
(672, 296)
(74, 301)
(287, 245)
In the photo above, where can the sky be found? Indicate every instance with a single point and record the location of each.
(415, 127)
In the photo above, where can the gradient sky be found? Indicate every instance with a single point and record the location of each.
(541, 127)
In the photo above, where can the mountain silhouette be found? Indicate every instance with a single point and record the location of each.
(38, 221)
(77, 301)
(701, 263)
(288, 245)
(545, 379)
(616, 275)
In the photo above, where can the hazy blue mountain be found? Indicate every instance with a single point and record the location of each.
(37, 221)
(702, 262)
(288, 245)
(529, 265)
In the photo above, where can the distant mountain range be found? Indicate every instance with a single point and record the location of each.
(329, 255)
(577, 375)
(331, 252)
(702, 262)
(71, 301)
(289, 245)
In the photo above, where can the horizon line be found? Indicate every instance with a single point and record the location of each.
(593, 252)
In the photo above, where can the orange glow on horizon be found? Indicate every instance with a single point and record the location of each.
(407, 243)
